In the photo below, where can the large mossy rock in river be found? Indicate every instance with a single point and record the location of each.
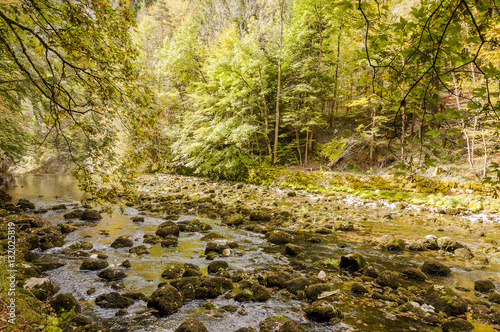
(113, 300)
(90, 215)
(93, 264)
(122, 242)
(280, 324)
(192, 325)
(64, 303)
(322, 311)
(112, 274)
(457, 325)
(352, 262)
(166, 300)
(446, 300)
(279, 237)
(168, 228)
(434, 267)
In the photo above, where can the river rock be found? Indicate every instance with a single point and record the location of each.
(4, 197)
(41, 288)
(197, 226)
(112, 274)
(64, 303)
(24, 204)
(215, 266)
(412, 273)
(297, 284)
(67, 228)
(90, 215)
(93, 264)
(215, 247)
(293, 249)
(51, 241)
(166, 300)
(139, 250)
(113, 300)
(169, 241)
(446, 300)
(277, 279)
(484, 286)
(388, 278)
(352, 262)
(192, 325)
(494, 297)
(279, 324)
(448, 244)
(138, 219)
(168, 228)
(212, 236)
(213, 287)
(260, 215)
(437, 268)
(322, 311)
(373, 270)
(172, 272)
(313, 292)
(260, 293)
(457, 325)
(392, 243)
(191, 272)
(464, 253)
(358, 289)
(279, 237)
(245, 329)
(75, 214)
(122, 242)
(235, 220)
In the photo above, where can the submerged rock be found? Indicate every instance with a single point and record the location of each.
(112, 274)
(64, 303)
(90, 215)
(412, 273)
(448, 244)
(484, 286)
(168, 228)
(279, 237)
(169, 241)
(280, 324)
(75, 214)
(122, 242)
(93, 264)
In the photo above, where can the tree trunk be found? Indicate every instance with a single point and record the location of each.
(278, 92)
(335, 89)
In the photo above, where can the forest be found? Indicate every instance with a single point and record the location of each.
(271, 165)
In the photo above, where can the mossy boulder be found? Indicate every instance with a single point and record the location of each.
(151, 238)
(446, 300)
(122, 242)
(169, 241)
(192, 325)
(435, 267)
(293, 249)
(412, 273)
(297, 284)
(137, 219)
(215, 266)
(260, 293)
(51, 241)
(277, 279)
(113, 300)
(260, 215)
(90, 215)
(448, 244)
(457, 325)
(93, 264)
(235, 220)
(389, 279)
(358, 289)
(215, 247)
(139, 250)
(322, 311)
(393, 244)
(166, 300)
(168, 228)
(198, 226)
(112, 274)
(314, 291)
(172, 271)
(279, 237)
(24, 204)
(279, 324)
(67, 228)
(352, 262)
(75, 214)
(64, 303)
(484, 286)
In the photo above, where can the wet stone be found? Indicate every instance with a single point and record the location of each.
(215, 266)
(75, 214)
(434, 267)
(138, 219)
(358, 289)
(446, 300)
(122, 242)
(260, 293)
(64, 303)
(352, 262)
(112, 274)
(90, 215)
(448, 244)
(93, 264)
(293, 249)
(166, 300)
(279, 237)
(169, 241)
(457, 325)
(192, 325)
(215, 247)
(139, 250)
(168, 228)
(260, 215)
(322, 311)
(412, 273)
(113, 300)
(388, 278)
(297, 284)
(484, 286)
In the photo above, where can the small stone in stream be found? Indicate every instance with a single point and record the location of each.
(51, 241)
(116, 285)
(484, 286)
(172, 272)
(192, 325)
(322, 275)
(352, 262)
(81, 245)
(93, 264)
(126, 264)
(344, 226)
(279, 237)
(373, 270)
(277, 279)
(388, 278)
(494, 297)
(322, 311)
(446, 300)
(229, 308)
(215, 247)
(434, 267)
(235, 220)
(113, 300)
(90, 215)
(122, 242)
(358, 289)
(102, 255)
(151, 239)
(75, 214)
(168, 228)
(66, 228)
(166, 300)
(197, 226)
(138, 219)
(393, 244)
(190, 272)
(448, 244)
(140, 250)
(293, 249)
(121, 313)
(64, 303)
(243, 297)
(464, 253)
(260, 293)
(457, 325)
(314, 291)
(112, 274)
(215, 266)
(80, 320)
(44, 267)
(91, 291)
(24, 204)
(297, 284)
(169, 241)
(212, 236)
(245, 329)
(226, 252)
(260, 215)
(412, 273)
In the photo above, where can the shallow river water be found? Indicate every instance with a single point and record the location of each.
(254, 252)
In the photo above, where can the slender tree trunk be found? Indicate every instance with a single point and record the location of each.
(403, 134)
(297, 137)
(335, 89)
(485, 165)
(372, 139)
(276, 128)
(307, 150)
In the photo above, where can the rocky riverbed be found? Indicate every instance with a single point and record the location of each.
(189, 254)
